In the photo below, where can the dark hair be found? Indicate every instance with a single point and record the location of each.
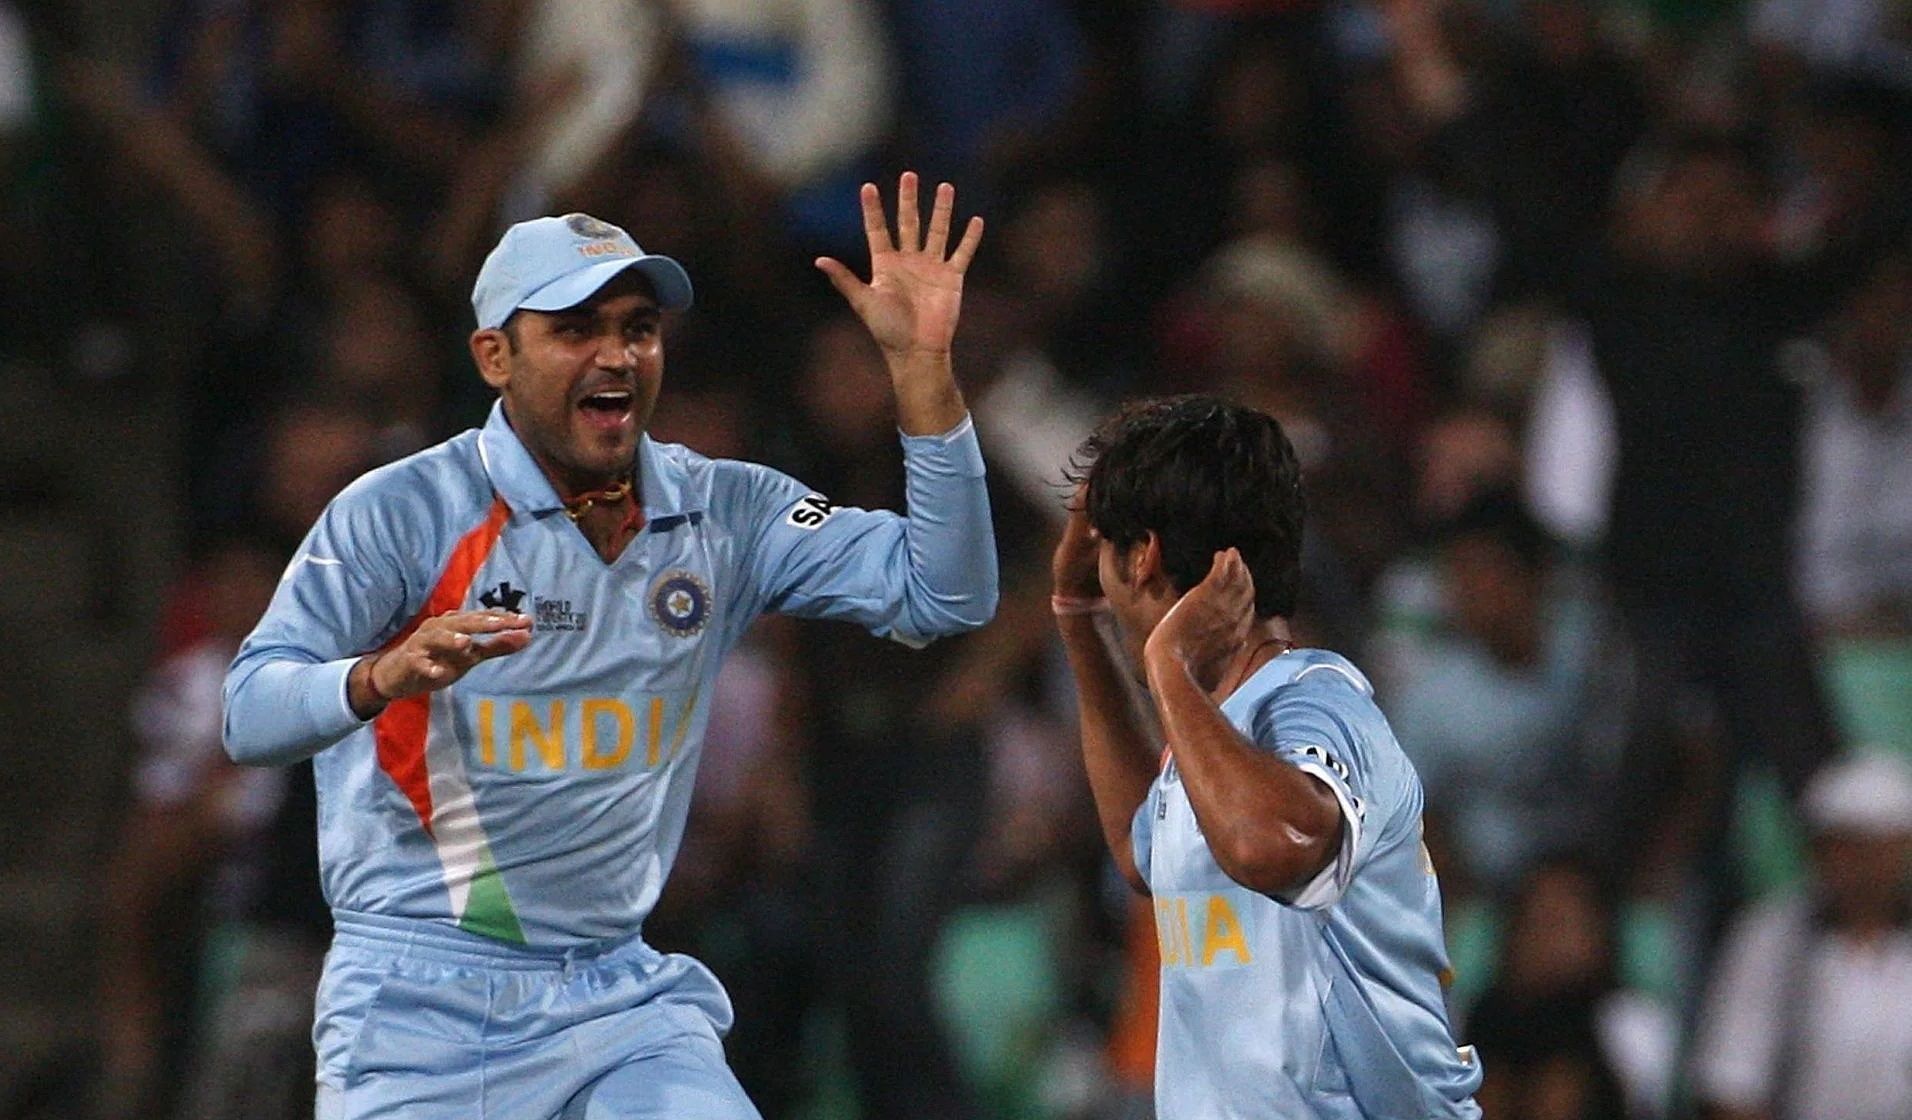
(1203, 475)
(1501, 517)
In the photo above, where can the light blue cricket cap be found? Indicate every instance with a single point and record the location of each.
(549, 264)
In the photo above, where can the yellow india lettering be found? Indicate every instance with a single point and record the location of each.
(550, 741)
(1165, 939)
(1222, 931)
(626, 733)
(487, 735)
(656, 740)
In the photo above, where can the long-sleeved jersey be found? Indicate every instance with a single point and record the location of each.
(541, 798)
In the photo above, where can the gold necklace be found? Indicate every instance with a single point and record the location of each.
(610, 495)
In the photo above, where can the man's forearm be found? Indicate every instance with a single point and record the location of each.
(1270, 826)
(1115, 748)
(279, 711)
(928, 402)
(953, 582)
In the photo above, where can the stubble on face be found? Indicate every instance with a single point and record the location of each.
(583, 384)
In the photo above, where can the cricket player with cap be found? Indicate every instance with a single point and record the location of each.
(499, 654)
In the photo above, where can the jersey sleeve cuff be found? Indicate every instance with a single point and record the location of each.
(328, 702)
(955, 452)
(1327, 887)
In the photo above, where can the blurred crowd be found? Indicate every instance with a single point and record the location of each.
(1591, 322)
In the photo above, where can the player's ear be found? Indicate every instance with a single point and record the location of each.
(1145, 561)
(491, 352)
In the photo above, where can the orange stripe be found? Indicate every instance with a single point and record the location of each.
(401, 727)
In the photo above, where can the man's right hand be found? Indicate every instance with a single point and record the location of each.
(1075, 567)
(440, 651)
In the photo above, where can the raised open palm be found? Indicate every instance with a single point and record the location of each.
(915, 293)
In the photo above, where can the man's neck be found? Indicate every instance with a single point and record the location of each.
(1267, 639)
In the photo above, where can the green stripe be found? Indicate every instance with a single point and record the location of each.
(488, 908)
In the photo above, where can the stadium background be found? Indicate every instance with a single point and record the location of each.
(1585, 318)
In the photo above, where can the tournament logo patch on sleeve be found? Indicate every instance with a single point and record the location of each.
(811, 511)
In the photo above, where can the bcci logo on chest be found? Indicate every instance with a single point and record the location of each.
(680, 602)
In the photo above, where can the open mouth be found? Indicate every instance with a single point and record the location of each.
(612, 406)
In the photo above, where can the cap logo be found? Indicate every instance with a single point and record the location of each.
(584, 225)
(605, 249)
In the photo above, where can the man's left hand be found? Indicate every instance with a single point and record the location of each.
(915, 293)
(1205, 629)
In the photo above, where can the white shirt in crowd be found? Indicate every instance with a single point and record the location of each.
(1791, 1001)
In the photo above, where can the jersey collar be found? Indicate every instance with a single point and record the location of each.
(1294, 665)
(517, 478)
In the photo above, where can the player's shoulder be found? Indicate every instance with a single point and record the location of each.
(1321, 695)
(1324, 677)
(440, 489)
(728, 490)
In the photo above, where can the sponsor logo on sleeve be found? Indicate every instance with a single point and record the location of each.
(811, 511)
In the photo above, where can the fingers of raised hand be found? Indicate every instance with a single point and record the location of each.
(908, 217)
(841, 278)
(910, 234)
(966, 248)
(939, 220)
(876, 228)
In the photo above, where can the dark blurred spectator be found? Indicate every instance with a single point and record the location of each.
(1514, 712)
(1805, 1016)
(898, 798)
(789, 99)
(1465, 455)
(569, 78)
(1263, 96)
(212, 880)
(1274, 325)
(256, 102)
(278, 475)
(376, 350)
(1689, 316)
(1855, 541)
(1057, 329)
(1533, 118)
(1850, 175)
(984, 85)
(1560, 1038)
(1793, 37)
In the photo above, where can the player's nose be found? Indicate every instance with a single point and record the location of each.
(614, 351)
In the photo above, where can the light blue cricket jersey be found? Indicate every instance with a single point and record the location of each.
(1329, 1004)
(542, 797)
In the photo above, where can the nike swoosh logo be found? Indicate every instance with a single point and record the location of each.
(308, 558)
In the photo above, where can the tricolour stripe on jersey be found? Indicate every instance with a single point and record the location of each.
(402, 726)
(427, 765)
